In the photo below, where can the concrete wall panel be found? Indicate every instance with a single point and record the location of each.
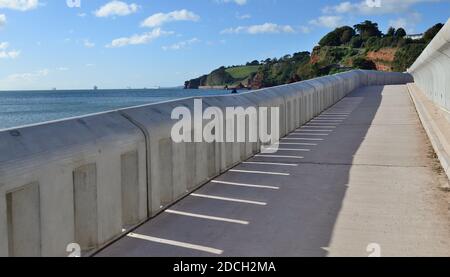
(86, 206)
(24, 222)
(4, 251)
(50, 155)
(131, 191)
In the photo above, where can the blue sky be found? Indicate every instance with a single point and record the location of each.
(136, 43)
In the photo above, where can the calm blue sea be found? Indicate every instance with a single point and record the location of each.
(19, 108)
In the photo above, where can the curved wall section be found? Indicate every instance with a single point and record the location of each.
(79, 180)
(431, 73)
(85, 180)
(431, 70)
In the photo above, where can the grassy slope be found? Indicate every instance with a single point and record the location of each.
(242, 72)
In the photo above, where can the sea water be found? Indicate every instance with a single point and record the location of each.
(18, 108)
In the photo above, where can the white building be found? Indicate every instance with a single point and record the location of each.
(415, 36)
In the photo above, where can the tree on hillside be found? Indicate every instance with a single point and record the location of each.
(400, 33)
(372, 43)
(339, 36)
(286, 57)
(294, 78)
(407, 55)
(390, 32)
(345, 34)
(255, 62)
(368, 29)
(301, 56)
(432, 32)
(356, 42)
(362, 63)
(330, 39)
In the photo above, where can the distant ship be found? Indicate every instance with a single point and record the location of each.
(95, 88)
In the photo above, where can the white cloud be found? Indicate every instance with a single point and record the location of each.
(159, 19)
(408, 19)
(2, 20)
(116, 8)
(305, 29)
(366, 8)
(31, 76)
(212, 43)
(327, 21)
(138, 39)
(343, 7)
(239, 2)
(82, 14)
(73, 3)
(266, 28)
(408, 23)
(181, 45)
(88, 44)
(62, 68)
(243, 16)
(7, 54)
(20, 5)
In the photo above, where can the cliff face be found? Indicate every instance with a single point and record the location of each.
(315, 57)
(383, 58)
(196, 83)
(257, 81)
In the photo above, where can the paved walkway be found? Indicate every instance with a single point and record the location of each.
(361, 173)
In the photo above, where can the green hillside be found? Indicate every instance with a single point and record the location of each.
(242, 72)
(362, 46)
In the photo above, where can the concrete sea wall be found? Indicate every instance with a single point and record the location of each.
(431, 70)
(86, 180)
(431, 93)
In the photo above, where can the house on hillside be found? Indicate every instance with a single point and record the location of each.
(415, 36)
